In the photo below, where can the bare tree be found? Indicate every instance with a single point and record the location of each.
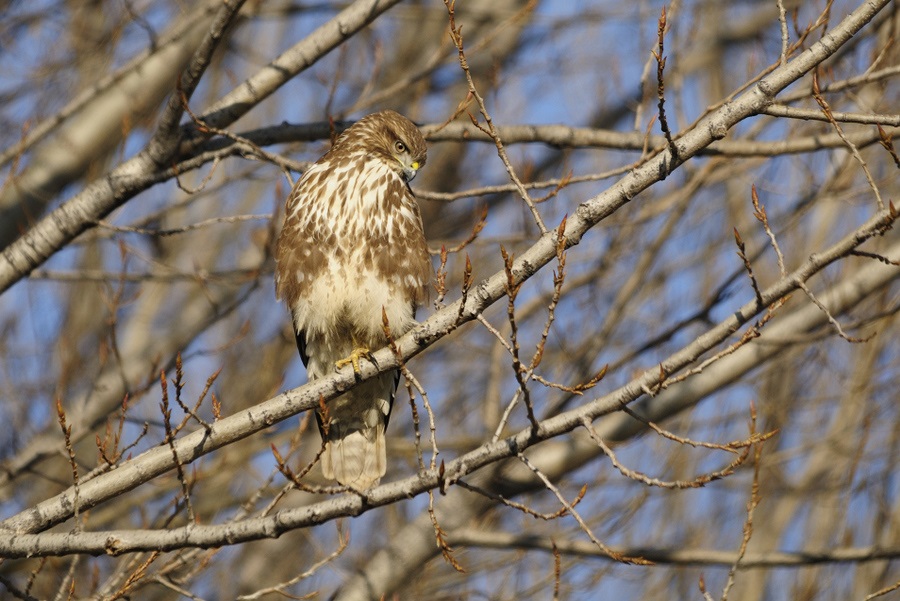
(661, 358)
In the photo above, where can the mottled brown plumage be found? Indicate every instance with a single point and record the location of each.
(352, 244)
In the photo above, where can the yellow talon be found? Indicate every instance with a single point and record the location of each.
(354, 357)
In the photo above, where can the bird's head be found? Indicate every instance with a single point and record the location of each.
(409, 163)
(403, 141)
(390, 137)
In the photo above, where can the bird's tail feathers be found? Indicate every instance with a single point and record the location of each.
(357, 457)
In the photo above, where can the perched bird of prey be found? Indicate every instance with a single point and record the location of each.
(352, 244)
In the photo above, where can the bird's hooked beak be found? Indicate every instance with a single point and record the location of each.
(410, 170)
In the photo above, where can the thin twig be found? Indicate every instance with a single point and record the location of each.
(759, 211)
(826, 110)
(520, 506)
(571, 511)
(882, 592)
(414, 383)
(887, 142)
(752, 333)
(557, 572)
(748, 523)
(780, 110)
(661, 91)
(476, 229)
(785, 40)
(183, 229)
(456, 38)
(279, 588)
(495, 332)
(296, 479)
(729, 447)
(743, 255)
(519, 371)
(698, 482)
(170, 441)
(440, 537)
(831, 319)
(73, 463)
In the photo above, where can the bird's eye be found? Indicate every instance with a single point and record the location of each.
(399, 146)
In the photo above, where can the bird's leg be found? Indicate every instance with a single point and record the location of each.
(354, 357)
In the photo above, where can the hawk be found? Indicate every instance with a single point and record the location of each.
(352, 245)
